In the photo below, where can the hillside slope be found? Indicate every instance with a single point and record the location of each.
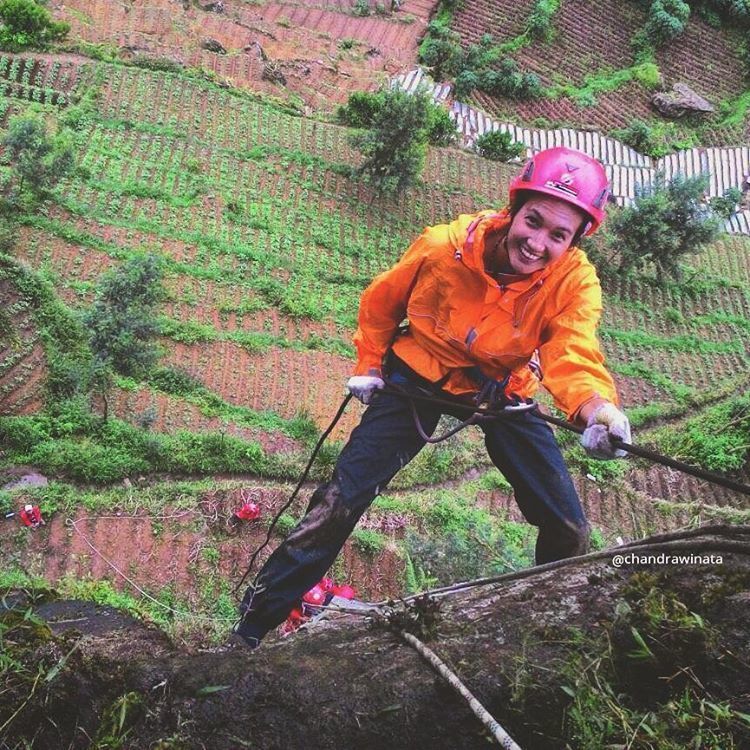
(268, 241)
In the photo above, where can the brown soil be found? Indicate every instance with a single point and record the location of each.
(351, 685)
(301, 40)
(167, 549)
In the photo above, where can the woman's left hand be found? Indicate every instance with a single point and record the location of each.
(605, 423)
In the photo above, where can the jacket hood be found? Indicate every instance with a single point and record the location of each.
(467, 234)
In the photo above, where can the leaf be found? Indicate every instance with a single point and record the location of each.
(56, 669)
(568, 690)
(209, 689)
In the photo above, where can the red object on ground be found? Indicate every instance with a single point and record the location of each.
(248, 512)
(326, 584)
(295, 618)
(31, 516)
(315, 596)
(344, 591)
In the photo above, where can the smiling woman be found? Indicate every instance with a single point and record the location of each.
(539, 233)
(483, 296)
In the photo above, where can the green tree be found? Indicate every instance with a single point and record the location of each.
(122, 321)
(498, 146)
(26, 23)
(666, 20)
(395, 147)
(363, 107)
(38, 162)
(667, 221)
(441, 50)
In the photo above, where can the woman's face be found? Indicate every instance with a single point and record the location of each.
(540, 232)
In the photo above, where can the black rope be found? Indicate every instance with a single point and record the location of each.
(478, 413)
(427, 438)
(293, 496)
(636, 450)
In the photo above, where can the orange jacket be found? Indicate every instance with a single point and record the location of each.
(459, 317)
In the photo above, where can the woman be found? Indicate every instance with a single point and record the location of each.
(482, 295)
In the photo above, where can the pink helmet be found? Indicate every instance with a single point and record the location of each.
(571, 176)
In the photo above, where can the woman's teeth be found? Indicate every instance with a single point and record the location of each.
(531, 257)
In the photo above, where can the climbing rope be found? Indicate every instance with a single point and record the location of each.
(293, 496)
(629, 447)
(489, 721)
(478, 413)
(677, 542)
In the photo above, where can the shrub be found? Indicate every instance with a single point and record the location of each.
(667, 221)
(666, 20)
(368, 542)
(361, 8)
(509, 82)
(122, 321)
(539, 25)
(499, 146)
(363, 108)
(26, 23)
(175, 380)
(395, 147)
(441, 130)
(726, 205)
(640, 136)
(441, 51)
(466, 81)
(647, 73)
(38, 162)
(360, 109)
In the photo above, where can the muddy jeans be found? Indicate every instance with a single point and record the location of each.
(522, 446)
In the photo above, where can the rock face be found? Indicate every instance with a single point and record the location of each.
(272, 72)
(213, 46)
(681, 101)
(346, 684)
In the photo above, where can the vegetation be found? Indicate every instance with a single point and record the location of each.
(364, 107)
(668, 221)
(37, 163)
(123, 320)
(539, 25)
(395, 146)
(28, 24)
(718, 439)
(655, 636)
(499, 146)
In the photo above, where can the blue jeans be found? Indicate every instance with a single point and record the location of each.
(522, 446)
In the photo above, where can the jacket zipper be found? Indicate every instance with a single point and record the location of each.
(526, 298)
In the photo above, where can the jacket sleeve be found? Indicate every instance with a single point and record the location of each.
(570, 356)
(383, 305)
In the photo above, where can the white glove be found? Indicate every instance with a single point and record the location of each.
(363, 386)
(606, 421)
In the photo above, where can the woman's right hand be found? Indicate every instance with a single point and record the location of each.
(363, 387)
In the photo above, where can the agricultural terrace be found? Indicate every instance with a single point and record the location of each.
(268, 241)
(591, 78)
(313, 54)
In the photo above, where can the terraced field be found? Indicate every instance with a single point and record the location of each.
(268, 242)
(705, 58)
(321, 50)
